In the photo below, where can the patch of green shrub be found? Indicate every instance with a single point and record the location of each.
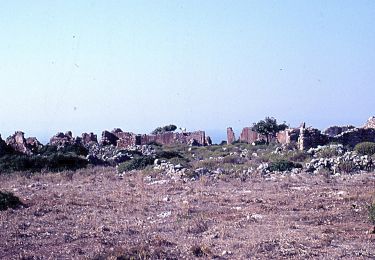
(365, 148)
(75, 149)
(372, 212)
(36, 163)
(298, 156)
(233, 159)
(283, 165)
(8, 200)
(137, 163)
(347, 167)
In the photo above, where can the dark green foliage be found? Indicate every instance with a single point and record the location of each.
(164, 129)
(298, 156)
(8, 200)
(268, 127)
(36, 163)
(137, 163)
(68, 149)
(168, 154)
(372, 212)
(365, 148)
(283, 165)
(347, 167)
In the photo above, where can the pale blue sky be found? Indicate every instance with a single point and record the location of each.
(95, 65)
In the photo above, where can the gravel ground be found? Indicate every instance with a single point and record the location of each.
(94, 214)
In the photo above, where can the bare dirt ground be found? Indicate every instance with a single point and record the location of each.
(95, 214)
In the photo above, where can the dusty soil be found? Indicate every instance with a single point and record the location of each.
(93, 213)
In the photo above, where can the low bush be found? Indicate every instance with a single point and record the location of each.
(36, 163)
(74, 149)
(137, 163)
(283, 165)
(372, 212)
(233, 159)
(328, 152)
(365, 148)
(347, 167)
(8, 200)
(298, 156)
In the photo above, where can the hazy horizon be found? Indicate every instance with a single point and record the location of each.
(92, 66)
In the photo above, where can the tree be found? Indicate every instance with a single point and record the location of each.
(268, 127)
(164, 129)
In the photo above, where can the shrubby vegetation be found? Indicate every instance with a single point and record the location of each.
(372, 212)
(283, 165)
(365, 148)
(268, 127)
(49, 158)
(137, 163)
(8, 200)
(164, 129)
(36, 163)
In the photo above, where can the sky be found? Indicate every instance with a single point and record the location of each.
(88, 66)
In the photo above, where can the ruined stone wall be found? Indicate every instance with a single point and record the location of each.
(89, 138)
(355, 136)
(250, 136)
(336, 130)
(230, 136)
(310, 138)
(370, 123)
(126, 139)
(288, 136)
(17, 142)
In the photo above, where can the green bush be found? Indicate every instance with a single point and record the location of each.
(8, 200)
(298, 156)
(75, 149)
(347, 167)
(283, 165)
(36, 163)
(372, 212)
(365, 148)
(233, 159)
(137, 163)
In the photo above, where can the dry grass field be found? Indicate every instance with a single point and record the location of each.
(95, 214)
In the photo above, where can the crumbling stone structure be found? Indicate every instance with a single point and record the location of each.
(127, 139)
(289, 135)
(230, 136)
(311, 137)
(336, 130)
(355, 136)
(370, 123)
(108, 138)
(89, 138)
(61, 139)
(18, 143)
(249, 136)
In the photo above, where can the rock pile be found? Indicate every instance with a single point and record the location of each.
(347, 162)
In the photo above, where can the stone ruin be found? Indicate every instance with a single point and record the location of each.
(370, 123)
(18, 143)
(307, 137)
(230, 136)
(248, 135)
(125, 140)
(61, 139)
(336, 130)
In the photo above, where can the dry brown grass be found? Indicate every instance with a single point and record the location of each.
(94, 214)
